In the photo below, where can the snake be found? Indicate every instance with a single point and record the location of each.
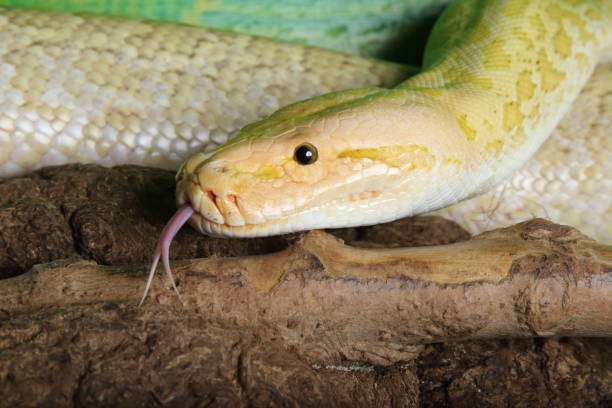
(497, 78)
(341, 140)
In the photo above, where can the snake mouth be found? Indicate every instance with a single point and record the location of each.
(221, 209)
(218, 212)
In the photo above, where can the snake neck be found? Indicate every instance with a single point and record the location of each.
(508, 71)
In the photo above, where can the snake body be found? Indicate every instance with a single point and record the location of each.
(497, 78)
(113, 91)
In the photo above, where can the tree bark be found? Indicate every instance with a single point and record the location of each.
(327, 300)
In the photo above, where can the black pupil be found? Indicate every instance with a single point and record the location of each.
(305, 154)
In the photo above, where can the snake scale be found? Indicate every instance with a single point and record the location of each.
(497, 78)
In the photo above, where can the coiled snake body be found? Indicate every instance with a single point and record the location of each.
(497, 78)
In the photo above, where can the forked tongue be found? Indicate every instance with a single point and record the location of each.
(162, 249)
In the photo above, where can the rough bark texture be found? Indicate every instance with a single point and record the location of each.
(317, 323)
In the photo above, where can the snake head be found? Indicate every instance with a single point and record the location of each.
(259, 185)
(357, 160)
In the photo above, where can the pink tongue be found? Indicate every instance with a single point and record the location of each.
(162, 249)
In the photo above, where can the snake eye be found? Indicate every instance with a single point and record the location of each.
(305, 154)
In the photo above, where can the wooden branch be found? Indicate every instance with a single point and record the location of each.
(327, 300)
(300, 327)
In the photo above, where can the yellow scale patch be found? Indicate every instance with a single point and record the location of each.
(269, 172)
(551, 78)
(468, 131)
(452, 161)
(512, 115)
(495, 146)
(558, 14)
(539, 27)
(522, 36)
(263, 172)
(416, 156)
(525, 88)
(563, 44)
